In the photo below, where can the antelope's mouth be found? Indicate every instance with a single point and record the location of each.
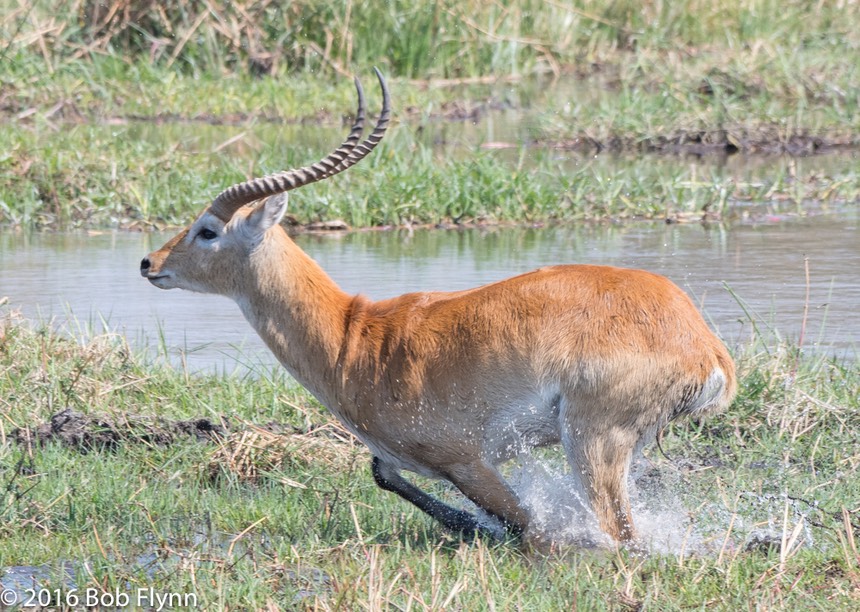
(162, 281)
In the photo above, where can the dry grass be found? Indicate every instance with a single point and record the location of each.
(446, 41)
(255, 452)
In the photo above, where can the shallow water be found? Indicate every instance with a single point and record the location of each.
(743, 276)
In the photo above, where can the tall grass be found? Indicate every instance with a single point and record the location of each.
(78, 52)
(417, 40)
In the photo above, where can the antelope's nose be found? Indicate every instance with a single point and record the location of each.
(144, 266)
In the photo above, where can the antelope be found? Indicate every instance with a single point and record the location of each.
(450, 385)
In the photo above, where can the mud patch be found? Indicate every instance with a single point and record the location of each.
(767, 140)
(243, 449)
(107, 431)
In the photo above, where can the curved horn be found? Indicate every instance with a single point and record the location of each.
(349, 153)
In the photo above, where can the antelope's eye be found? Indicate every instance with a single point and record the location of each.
(207, 234)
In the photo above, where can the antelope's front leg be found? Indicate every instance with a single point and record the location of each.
(458, 521)
(482, 483)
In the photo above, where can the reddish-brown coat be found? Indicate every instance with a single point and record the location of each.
(446, 384)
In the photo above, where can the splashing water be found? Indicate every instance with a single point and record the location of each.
(557, 502)
(669, 517)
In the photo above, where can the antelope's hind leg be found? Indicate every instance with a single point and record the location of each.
(602, 458)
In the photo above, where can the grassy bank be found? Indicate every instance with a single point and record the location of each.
(137, 176)
(415, 40)
(767, 495)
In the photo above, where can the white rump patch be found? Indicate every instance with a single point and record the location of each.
(711, 393)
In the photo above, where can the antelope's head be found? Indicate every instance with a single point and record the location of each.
(210, 255)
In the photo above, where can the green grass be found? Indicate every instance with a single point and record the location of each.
(138, 175)
(750, 100)
(415, 40)
(313, 531)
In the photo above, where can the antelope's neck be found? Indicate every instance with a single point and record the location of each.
(299, 312)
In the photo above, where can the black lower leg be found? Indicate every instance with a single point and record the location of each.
(456, 520)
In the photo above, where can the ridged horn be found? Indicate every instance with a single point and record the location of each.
(349, 153)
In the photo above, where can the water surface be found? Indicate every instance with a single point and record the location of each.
(740, 275)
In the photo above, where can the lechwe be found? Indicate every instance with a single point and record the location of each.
(450, 385)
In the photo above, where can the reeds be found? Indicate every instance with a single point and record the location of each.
(443, 39)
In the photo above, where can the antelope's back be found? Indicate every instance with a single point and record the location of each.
(596, 330)
(624, 336)
(631, 336)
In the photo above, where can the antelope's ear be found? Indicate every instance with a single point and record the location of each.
(267, 214)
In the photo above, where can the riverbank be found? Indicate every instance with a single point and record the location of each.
(145, 177)
(692, 62)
